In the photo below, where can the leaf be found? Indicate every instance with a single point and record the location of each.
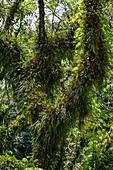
(99, 132)
(110, 6)
(85, 165)
(87, 152)
(24, 160)
(78, 44)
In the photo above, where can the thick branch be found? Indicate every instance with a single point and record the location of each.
(42, 33)
(12, 12)
(54, 125)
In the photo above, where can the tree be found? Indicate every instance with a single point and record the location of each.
(38, 78)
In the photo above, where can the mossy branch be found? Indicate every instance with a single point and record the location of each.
(53, 127)
(12, 12)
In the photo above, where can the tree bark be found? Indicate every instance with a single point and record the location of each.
(41, 22)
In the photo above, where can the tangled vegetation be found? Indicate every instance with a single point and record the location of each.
(54, 79)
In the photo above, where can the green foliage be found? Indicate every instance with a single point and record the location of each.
(8, 161)
(91, 148)
(52, 87)
(7, 134)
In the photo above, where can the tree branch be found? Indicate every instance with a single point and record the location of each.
(42, 33)
(12, 12)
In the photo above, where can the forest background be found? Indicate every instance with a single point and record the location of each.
(56, 84)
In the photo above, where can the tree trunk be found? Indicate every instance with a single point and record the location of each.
(41, 22)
